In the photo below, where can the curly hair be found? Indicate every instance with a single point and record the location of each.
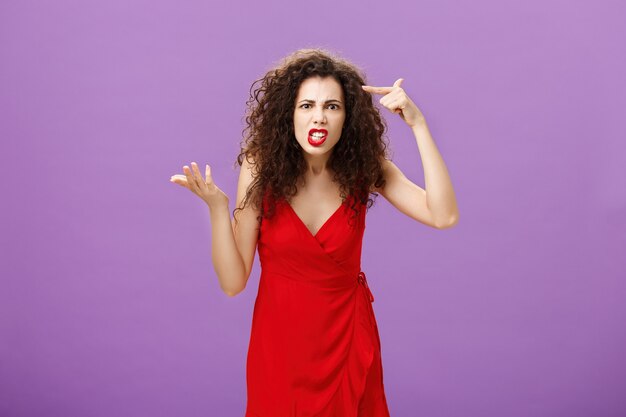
(270, 146)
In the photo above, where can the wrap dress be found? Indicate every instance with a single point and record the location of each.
(314, 346)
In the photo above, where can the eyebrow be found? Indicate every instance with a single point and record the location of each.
(313, 101)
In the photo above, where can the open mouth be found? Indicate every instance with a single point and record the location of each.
(317, 136)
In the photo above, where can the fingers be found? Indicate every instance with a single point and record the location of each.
(209, 178)
(383, 90)
(396, 103)
(197, 176)
(180, 180)
(377, 90)
(190, 180)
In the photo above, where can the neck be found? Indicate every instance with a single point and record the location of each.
(316, 164)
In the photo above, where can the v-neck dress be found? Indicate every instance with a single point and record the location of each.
(314, 345)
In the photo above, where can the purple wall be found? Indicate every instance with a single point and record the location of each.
(109, 304)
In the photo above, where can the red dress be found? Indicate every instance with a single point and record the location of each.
(314, 346)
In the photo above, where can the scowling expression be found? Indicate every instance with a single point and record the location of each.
(319, 114)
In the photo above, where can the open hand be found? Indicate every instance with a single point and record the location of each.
(396, 100)
(205, 189)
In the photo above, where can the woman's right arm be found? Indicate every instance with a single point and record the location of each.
(234, 255)
(233, 247)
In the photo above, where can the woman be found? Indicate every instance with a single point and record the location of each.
(312, 155)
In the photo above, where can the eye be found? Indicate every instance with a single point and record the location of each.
(305, 104)
(336, 106)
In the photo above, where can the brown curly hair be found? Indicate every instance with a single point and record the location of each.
(270, 145)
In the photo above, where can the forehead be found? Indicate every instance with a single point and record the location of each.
(318, 88)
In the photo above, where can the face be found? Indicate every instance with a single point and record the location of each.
(319, 108)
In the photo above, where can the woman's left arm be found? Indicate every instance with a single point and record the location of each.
(440, 197)
(438, 200)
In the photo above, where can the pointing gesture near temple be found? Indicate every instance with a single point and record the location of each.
(397, 101)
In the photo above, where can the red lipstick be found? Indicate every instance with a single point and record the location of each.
(318, 139)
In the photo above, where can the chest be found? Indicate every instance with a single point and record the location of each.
(314, 209)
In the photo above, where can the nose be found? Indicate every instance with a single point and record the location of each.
(319, 116)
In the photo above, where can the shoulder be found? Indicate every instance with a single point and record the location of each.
(247, 177)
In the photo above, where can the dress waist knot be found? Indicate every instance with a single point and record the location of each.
(363, 281)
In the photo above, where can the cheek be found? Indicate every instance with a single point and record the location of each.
(342, 123)
(298, 121)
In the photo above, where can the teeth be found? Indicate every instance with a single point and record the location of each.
(318, 134)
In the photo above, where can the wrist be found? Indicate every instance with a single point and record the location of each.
(419, 126)
(217, 207)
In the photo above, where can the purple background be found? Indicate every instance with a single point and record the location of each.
(109, 304)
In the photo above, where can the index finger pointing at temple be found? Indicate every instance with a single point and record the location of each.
(377, 90)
